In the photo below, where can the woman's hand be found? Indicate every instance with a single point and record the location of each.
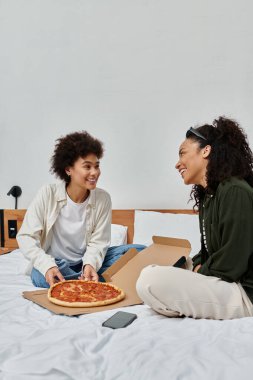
(89, 273)
(197, 268)
(53, 275)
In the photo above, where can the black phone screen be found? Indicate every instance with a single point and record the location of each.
(180, 263)
(119, 320)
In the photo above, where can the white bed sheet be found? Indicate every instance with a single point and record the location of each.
(37, 344)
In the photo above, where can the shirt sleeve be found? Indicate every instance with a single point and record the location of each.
(100, 238)
(196, 260)
(29, 235)
(235, 221)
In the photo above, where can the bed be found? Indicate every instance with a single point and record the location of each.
(37, 344)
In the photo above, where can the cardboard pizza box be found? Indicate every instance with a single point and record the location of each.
(124, 274)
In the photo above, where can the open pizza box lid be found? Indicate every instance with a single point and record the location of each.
(124, 274)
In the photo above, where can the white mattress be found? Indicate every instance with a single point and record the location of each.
(36, 344)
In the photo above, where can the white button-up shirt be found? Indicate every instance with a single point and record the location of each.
(35, 235)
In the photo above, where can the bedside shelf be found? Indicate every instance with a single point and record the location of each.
(4, 250)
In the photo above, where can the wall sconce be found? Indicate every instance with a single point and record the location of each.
(15, 191)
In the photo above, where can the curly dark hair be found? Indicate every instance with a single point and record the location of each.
(230, 155)
(69, 148)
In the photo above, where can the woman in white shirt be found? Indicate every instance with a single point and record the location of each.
(67, 228)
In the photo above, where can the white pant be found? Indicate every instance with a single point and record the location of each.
(178, 292)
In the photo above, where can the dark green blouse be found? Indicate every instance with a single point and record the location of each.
(228, 224)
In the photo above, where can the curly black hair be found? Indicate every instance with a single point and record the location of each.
(71, 147)
(230, 155)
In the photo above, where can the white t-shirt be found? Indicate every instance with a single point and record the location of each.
(68, 241)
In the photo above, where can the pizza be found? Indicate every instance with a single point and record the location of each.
(80, 293)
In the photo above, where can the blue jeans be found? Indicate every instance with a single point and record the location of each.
(73, 271)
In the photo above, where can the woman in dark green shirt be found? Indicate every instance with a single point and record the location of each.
(217, 161)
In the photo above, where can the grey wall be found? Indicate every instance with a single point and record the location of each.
(134, 73)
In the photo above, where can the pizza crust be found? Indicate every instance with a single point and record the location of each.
(101, 285)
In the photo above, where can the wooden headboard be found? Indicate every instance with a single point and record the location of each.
(11, 220)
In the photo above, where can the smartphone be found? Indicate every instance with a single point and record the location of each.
(119, 320)
(180, 263)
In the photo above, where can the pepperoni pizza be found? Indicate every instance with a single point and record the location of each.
(80, 293)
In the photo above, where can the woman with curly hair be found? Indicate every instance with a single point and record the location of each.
(66, 231)
(217, 160)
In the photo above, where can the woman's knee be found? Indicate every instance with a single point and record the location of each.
(149, 277)
(143, 282)
(153, 274)
(151, 287)
(146, 275)
(38, 279)
(157, 279)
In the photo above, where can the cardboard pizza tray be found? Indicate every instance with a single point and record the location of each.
(124, 274)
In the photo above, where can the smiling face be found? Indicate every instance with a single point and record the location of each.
(85, 172)
(192, 162)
